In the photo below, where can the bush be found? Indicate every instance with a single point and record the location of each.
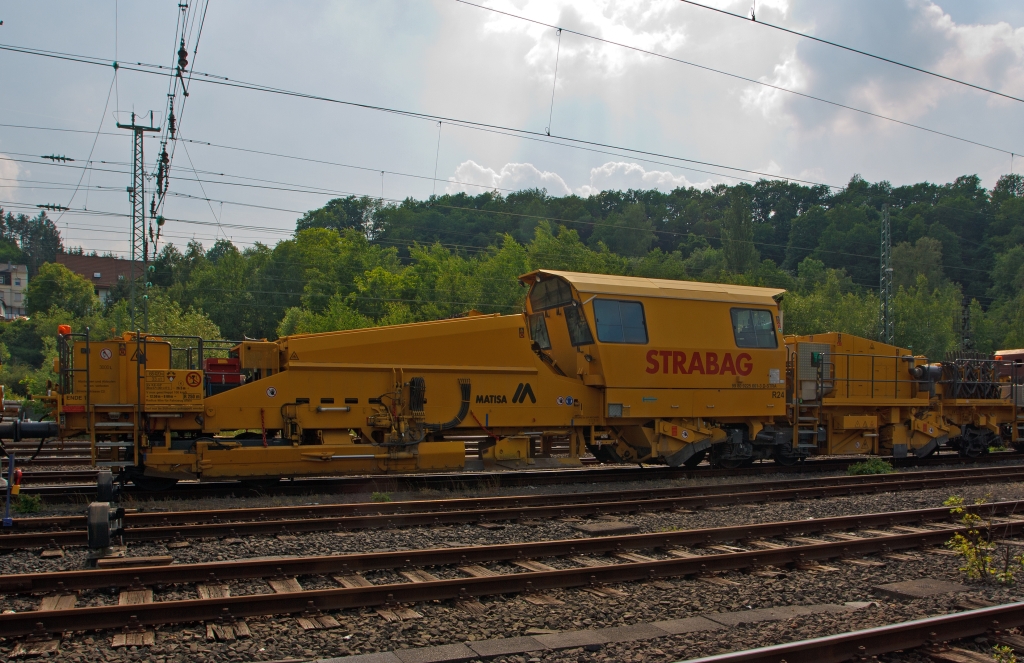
(871, 466)
(380, 497)
(26, 503)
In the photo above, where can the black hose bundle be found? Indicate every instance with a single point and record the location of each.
(466, 390)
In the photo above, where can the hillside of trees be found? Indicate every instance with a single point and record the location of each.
(958, 255)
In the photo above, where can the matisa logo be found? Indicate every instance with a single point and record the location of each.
(523, 391)
(706, 363)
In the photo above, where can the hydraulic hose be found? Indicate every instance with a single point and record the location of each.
(466, 390)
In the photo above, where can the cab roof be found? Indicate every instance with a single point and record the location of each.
(633, 286)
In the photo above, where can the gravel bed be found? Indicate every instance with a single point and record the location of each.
(333, 543)
(364, 631)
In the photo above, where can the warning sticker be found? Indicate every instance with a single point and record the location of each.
(174, 391)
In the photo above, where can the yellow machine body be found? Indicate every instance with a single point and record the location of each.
(862, 397)
(630, 369)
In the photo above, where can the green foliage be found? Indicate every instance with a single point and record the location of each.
(831, 305)
(380, 497)
(1003, 654)
(32, 241)
(923, 258)
(983, 559)
(56, 286)
(165, 317)
(926, 317)
(24, 504)
(738, 236)
(870, 466)
(629, 233)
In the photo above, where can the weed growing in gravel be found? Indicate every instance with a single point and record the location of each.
(27, 503)
(983, 559)
(1004, 654)
(871, 466)
(380, 497)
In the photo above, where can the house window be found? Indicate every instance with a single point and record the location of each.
(5, 278)
(96, 275)
(17, 297)
(17, 281)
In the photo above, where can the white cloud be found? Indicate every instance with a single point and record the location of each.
(770, 102)
(621, 176)
(9, 172)
(990, 54)
(512, 176)
(640, 23)
(470, 177)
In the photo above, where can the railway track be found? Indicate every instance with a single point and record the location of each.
(861, 645)
(168, 525)
(515, 568)
(57, 486)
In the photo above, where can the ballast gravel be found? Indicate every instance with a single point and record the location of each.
(364, 631)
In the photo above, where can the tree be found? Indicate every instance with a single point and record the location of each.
(738, 236)
(340, 214)
(37, 238)
(830, 307)
(166, 316)
(628, 234)
(57, 286)
(922, 258)
(926, 318)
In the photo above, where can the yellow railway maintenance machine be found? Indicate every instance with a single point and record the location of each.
(866, 397)
(631, 369)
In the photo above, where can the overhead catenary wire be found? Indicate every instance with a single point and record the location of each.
(854, 50)
(212, 79)
(746, 79)
(103, 116)
(554, 82)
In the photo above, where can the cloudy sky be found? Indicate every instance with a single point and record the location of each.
(465, 63)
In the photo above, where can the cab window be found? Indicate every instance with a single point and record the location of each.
(579, 330)
(539, 331)
(550, 293)
(620, 322)
(753, 328)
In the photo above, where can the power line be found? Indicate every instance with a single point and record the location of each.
(483, 126)
(738, 77)
(377, 170)
(854, 50)
(94, 139)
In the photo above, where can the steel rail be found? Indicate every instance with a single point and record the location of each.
(883, 639)
(493, 513)
(234, 607)
(507, 478)
(359, 562)
(140, 519)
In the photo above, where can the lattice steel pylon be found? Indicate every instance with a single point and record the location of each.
(886, 317)
(137, 305)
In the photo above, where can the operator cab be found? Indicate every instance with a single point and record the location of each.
(660, 347)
